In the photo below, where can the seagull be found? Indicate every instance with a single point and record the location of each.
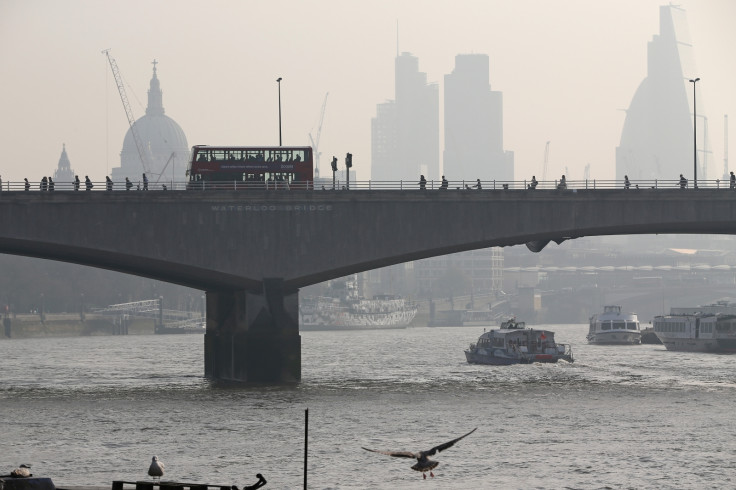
(24, 471)
(423, 463)
(156, 470)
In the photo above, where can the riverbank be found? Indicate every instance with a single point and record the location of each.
(71, 325)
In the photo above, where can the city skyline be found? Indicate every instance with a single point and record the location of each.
(565, 70)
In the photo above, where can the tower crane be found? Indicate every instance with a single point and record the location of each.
(546, 158)
(315, 143)
(128, 110)
(725, 147)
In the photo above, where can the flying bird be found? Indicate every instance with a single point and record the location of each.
(423, 463)
(156, 470)
(24, 471)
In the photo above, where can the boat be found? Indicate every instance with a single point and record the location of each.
(613, 327)
(513, 343)
(710, 328)
(463, 318)
(345, 309)
(479, 318)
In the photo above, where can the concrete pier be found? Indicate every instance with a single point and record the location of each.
(253, 337)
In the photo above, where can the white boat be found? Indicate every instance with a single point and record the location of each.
(614, 327)
(479, 318)
(513, 343)
(347, 310)
(710, 328)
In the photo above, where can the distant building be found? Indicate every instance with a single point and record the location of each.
(657, 137)
(474, 124)
(405, 131)
(164, 144)
(63, 173)
(482, 268)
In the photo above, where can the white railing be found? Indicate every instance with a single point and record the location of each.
(361, 185)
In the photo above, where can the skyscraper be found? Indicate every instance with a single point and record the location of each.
(657, 137)
(405, 131)
(474, 124)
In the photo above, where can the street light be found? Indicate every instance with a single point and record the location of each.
(695, 138)
(278, 80)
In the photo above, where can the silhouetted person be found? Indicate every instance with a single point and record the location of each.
(733, 181)
(477, 184)
(76, 182)
(683, 182)
(627, 184)
(27, 184)
(145, 182)
(51, 184)
(423, 182)
(108, 183)
(163, 186)
(88, 183)
(1, 184)
(563, 183)
(128, 184)
(44, 184)
(444, 183)
(533, 184)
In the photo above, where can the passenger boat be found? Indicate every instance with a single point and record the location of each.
(347, 310)
(513, 343)
(710, 328)
(479, 318)
(463, 318)
(614, 327)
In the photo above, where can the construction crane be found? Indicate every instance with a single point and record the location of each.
(315, 143)
(546, 159)
(726, 175)
(128, 111)
(171, 161)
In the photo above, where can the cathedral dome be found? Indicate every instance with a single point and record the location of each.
(162, 140)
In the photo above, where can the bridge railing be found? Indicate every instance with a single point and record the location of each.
(325, 185)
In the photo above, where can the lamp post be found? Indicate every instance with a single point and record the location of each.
(695, 137)
(278, 80)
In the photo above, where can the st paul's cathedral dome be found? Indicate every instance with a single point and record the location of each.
(163, 143)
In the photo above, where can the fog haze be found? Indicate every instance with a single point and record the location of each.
(566, 70)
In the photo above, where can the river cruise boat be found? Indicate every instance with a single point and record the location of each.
(513, 343)
(346, 309)
(614, 327)
(703, 329)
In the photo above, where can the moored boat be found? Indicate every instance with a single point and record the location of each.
(710, 328)
(513, 343)
(614, 327)
(347, 310)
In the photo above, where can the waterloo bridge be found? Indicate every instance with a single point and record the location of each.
(252, 251)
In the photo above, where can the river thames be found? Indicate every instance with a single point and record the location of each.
(90, 410)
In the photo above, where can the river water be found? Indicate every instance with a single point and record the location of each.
(90, 410)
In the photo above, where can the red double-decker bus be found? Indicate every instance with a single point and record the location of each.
(250, 167)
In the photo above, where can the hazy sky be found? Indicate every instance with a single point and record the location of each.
(566, 69)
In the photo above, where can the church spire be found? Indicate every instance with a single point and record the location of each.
(155, 96)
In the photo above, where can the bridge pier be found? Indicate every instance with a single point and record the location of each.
(253, 337)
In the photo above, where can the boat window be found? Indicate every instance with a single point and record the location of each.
(619, 325)
(605, 325)
(632, 325)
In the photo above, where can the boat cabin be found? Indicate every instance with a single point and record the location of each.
(525, 340)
